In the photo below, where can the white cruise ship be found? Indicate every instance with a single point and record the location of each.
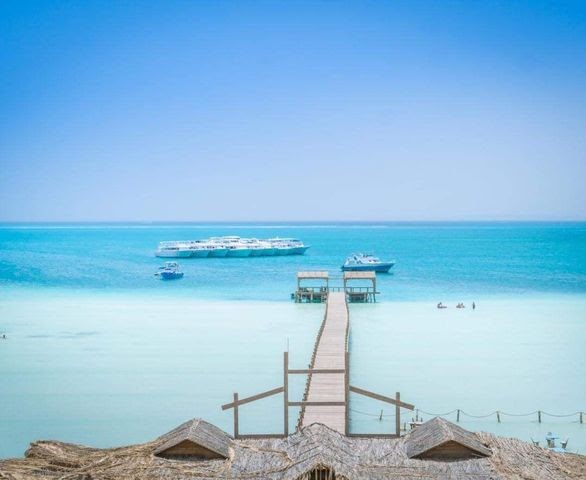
(231, 246)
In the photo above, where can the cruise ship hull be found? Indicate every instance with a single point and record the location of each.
(173, 253)
(262, 252)
(200, 253)
(218, 252)
(239, 252)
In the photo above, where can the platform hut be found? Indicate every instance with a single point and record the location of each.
(355, 288)
(312, 286)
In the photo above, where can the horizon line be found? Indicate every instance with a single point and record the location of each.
(276, 222)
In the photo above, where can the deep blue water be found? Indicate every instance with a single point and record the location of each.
(433, 260)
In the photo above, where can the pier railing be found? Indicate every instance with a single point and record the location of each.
(311, 294)
(238, 402)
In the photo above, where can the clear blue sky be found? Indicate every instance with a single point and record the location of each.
(254, 110)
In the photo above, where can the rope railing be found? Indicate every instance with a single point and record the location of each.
(498, 413)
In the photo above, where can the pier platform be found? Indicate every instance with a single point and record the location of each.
(314, 287)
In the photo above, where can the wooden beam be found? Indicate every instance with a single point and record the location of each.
(398, 414)
(317, 370)
(347, 390)
(253, 398)
(286, 393)
(317, 404)
(236, 415)
(382, 398)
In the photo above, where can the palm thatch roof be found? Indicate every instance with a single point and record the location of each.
(438, 432)
(353, 275)
(294, 458)
(313, 274)
(200, 433)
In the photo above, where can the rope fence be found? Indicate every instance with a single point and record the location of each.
(539, 414)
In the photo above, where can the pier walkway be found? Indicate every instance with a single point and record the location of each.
(330, 354)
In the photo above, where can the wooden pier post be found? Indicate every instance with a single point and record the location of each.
(286, 393)
(347, 392)
(498, 416)
(458, 416)
(539, 416)
(581, 413)
(398, 414)
(235, 415)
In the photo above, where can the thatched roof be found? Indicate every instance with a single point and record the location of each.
(292, 458)
(200, 433)
(359, 275)
(313, 274)
(438, 432)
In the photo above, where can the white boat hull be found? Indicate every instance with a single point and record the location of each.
(173, 253)
(239, 252)
(200, 253)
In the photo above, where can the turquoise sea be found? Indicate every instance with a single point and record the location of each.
(100, 352)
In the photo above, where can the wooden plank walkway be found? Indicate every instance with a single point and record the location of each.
(330, 354)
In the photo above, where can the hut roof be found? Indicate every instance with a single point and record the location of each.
(313, 274)
(199, 432)
(439, 431)
(359, 275)
(314, 447)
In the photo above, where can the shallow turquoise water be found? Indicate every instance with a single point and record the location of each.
(101, 353)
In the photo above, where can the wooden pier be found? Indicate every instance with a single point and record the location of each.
(326, 399)
(329, 390)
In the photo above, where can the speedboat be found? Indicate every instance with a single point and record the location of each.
(170, 271)
(361, 262)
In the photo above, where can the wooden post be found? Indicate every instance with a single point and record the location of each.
(347, 392)
(498, 416)
(235, 415)
(539, 416)
(458, 416)
(581, 413)
(286, 393)
(398, 414)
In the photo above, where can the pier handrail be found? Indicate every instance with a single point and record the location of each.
(268, 393)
